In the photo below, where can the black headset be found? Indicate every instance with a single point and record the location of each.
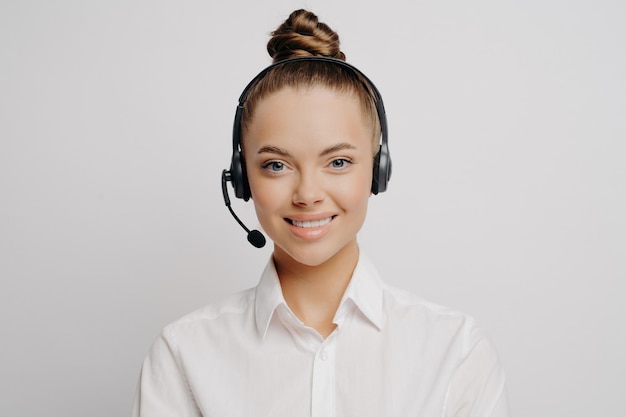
(382, 160)
(237, 174)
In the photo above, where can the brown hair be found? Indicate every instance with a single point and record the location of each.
(303, 35)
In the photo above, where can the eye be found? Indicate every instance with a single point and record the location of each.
(274, 166)
(340, 163)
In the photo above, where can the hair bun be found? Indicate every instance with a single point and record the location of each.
(303, 35)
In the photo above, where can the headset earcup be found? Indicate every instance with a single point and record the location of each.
(375, 173)
(239, 177)
(382, 170)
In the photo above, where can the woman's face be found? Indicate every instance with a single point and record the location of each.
(309, 158)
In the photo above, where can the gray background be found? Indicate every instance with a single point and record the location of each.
(507, 200)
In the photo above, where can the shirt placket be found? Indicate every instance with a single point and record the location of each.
(323, 379)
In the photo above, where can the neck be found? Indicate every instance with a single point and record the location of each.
(313, 293)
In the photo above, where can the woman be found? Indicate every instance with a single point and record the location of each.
(321, 334)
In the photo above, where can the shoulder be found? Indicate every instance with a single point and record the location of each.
(399, 300)
(233, 304)
(433, 321)
(214, 317)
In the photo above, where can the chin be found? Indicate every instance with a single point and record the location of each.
(311, 255)
(305, 256)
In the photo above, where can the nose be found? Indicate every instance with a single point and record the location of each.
(308, 190)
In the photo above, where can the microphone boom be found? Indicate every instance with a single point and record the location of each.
(255, 237)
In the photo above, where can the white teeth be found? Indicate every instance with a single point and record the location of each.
(314, 223)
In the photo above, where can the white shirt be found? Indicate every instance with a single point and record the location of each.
(391, 354)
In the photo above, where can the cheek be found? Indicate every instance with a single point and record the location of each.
(268, 199)
(263, 195)
(354, 194)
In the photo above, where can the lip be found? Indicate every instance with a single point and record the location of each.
(311, 226)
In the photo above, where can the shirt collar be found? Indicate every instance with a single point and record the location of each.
(268, 296)
(365, 291)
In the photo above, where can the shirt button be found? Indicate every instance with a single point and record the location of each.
(323, 355)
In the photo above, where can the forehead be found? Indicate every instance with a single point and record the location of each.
(312, 114)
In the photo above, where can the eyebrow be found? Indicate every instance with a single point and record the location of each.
(273, 149)
(282, 152)
(338, 147)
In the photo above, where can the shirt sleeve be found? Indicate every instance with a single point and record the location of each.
(477, 387)
(163, 389)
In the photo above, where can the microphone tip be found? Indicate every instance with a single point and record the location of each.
(256, 238)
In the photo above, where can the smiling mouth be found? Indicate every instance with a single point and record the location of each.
(312, 223)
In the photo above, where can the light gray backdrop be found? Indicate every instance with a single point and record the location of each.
(507, 200)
